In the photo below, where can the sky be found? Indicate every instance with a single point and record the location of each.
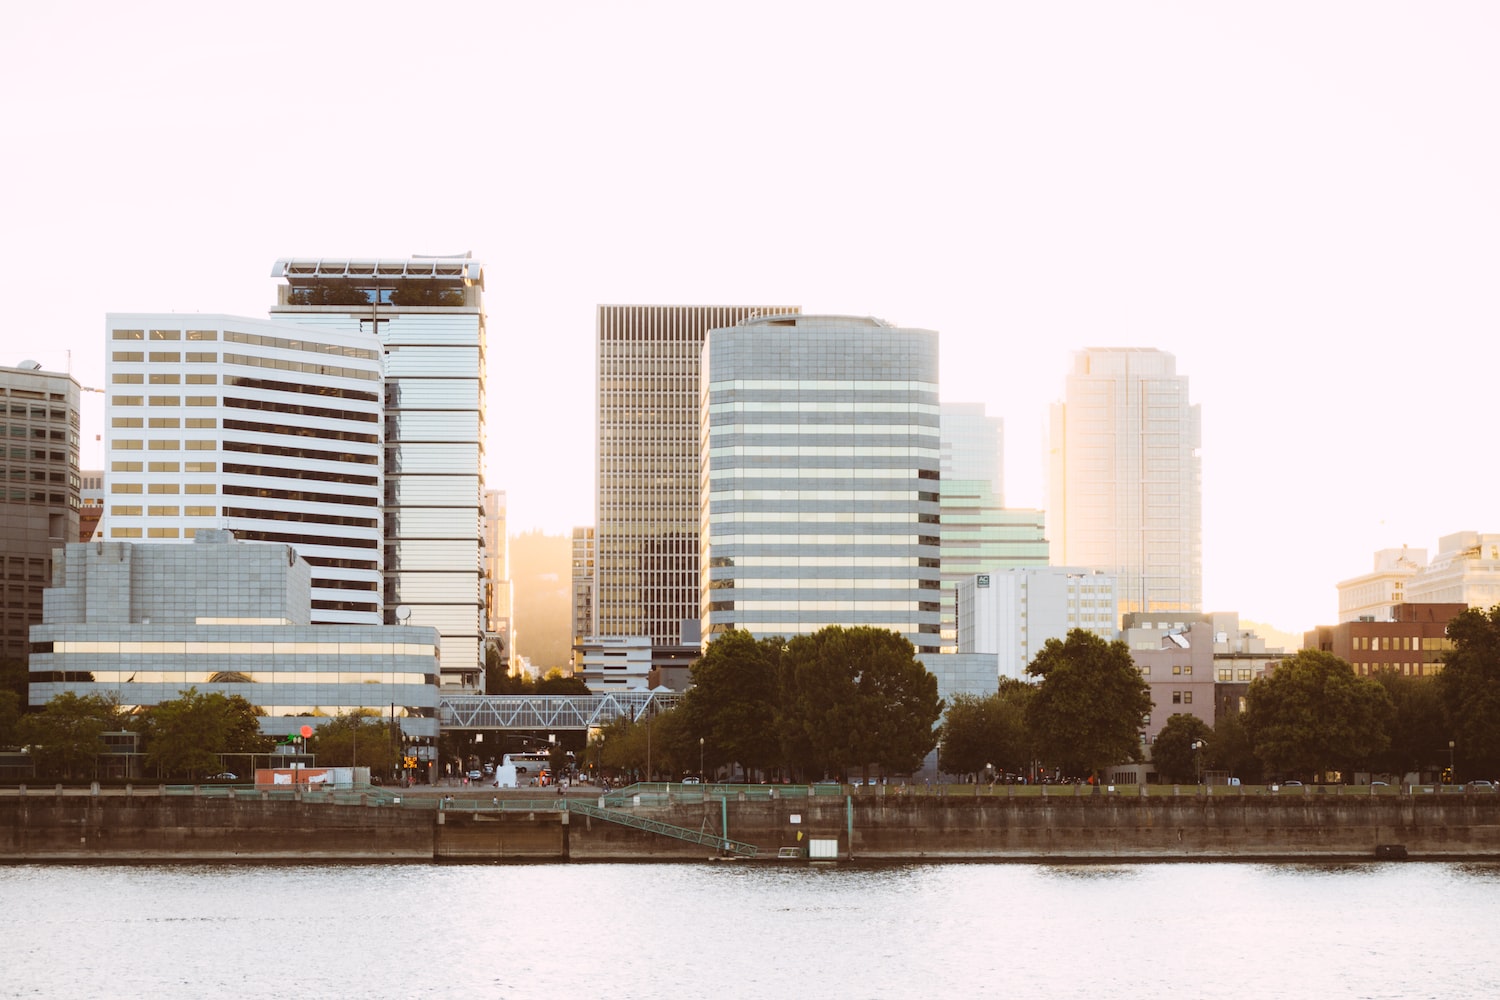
(1297, 200)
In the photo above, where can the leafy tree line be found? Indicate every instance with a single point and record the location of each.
(1083, 715)
(834, 703)
(185, 738)
(1312, 716)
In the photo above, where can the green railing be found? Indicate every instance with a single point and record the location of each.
(630, 819)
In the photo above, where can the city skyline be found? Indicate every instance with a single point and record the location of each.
(1294, 204)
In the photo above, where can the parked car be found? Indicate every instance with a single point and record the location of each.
(475, 775)
(691, 780)
(1481, 785)
(227, 776)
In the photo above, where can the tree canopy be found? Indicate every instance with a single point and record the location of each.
(184, 736)
(1086, 713)
(1174, 754)
(1313, 715)
(1470, 689)
(67, 735)
(990, 730)
(358, 738)
(732, 703)
(856, 698)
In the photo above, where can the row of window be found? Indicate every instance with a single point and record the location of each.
(1401, 642)
(161, 467)
(162, 378)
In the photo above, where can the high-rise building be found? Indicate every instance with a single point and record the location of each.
(821, 473)
(499, 610)
(583, 583)
(268, 429)
(427, 316)
(646, 543)
(1373, 596)
(39, 493)
(1126, 479)
(979, 534)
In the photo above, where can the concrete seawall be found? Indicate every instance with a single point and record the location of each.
(151, 827)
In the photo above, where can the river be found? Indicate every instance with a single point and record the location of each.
(742, 930)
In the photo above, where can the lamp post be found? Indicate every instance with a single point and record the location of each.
(1198, 746)
(1452, 775)
(700, 758)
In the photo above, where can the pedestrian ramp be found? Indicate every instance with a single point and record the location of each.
(704, 837)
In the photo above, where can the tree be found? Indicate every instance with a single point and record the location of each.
(1174, 754)
(358, 738)
(15, 676)
(185, 736)
(10, 717)
(732, 703)
(1418, 728)
(1470, 689)
(1087, 711)
(494, 669)
(1231, 750)
(856, 697)
(1313, 715)
(555, 683)
(67, 735)
(980, 731)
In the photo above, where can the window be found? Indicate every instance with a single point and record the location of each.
(1187, 697)
(1177, 697)
(166, 356)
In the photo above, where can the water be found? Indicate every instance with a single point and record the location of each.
(753, 931)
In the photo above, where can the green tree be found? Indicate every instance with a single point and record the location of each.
(67, 735)
(732, 703)
(1418, 728)
(648, 748)
(856, 698)
(556, 683)
(10, 717)
(494, 669)
(1173, 753)
(357, 738)
(1313, 715)
(1231, 749)
(980, 731)
(1470, 689)
(1087, 711)
(184, 736)
(15, 676)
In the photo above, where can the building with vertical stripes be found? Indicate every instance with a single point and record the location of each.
(1126, 490)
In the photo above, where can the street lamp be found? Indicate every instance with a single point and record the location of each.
(1452, 776)
(700, 758)
(1198, 746)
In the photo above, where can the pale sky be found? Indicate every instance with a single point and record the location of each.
(1298, 200)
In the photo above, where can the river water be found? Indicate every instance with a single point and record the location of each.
(739, 930)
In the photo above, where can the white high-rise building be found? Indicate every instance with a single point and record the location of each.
(427, 316)
(1126, 477)
(1374, 596)
(1466, 570)
(821, 471)
(1013, 612)
(646, 541)
(267, 429)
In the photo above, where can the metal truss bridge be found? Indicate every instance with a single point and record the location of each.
(576, 711)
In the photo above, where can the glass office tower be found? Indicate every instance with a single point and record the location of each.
(821, 474)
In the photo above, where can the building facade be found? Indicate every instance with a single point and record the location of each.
(583, 583)
(499, 601)
(820, 457)
(39, 492)
(144, 622)
(1376, 594)
(1126, 480)
(1411, 642)
(1012, 612)
(426, 314)
(647, 420)
(266, 429)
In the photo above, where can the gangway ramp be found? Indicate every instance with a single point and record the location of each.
(735, 847)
